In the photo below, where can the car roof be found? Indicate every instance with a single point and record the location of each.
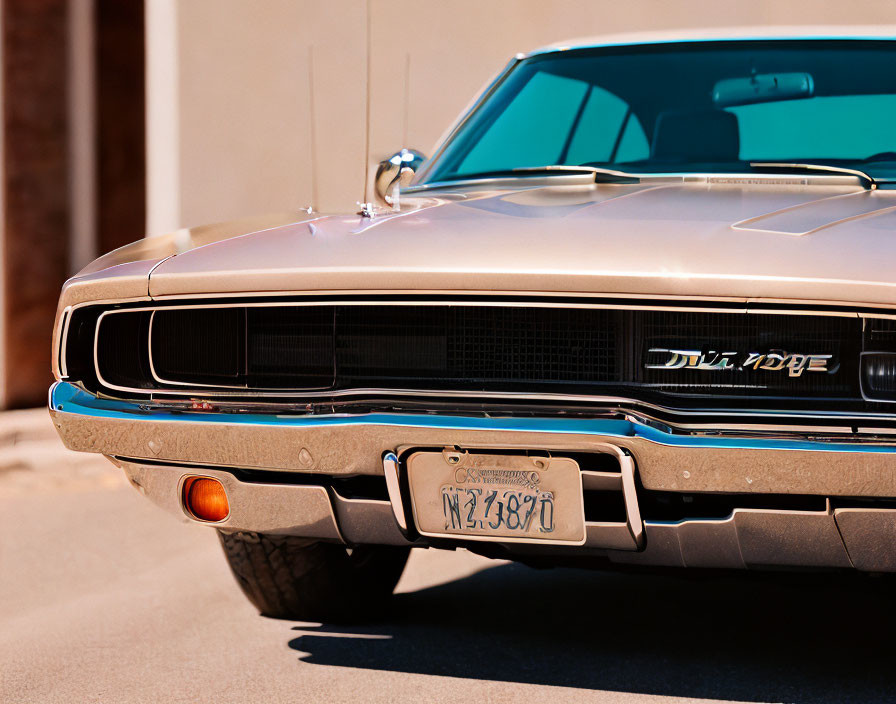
(723, 34)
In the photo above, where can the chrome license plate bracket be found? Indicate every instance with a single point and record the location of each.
(497, 497)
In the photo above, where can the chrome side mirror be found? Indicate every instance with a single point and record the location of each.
(396, 172)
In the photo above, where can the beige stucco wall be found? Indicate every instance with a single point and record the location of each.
(2, 237)
(230, 83)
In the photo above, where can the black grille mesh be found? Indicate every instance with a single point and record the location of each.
(190, 348)
(475, 347)
(880, 335)
(523, 344)
(391, 342)
(289, 347)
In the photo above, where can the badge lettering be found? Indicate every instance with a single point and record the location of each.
(710, 360)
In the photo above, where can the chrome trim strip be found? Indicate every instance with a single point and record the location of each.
(633, 408)
(522, 295)
(156, 266)
(453, 302)
(152, 367)
(802, 306)
(622, 41)
(61, 341)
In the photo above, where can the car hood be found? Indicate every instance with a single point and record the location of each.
(734, 239)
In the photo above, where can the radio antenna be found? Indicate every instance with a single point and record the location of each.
(367, 116)
(315, 203)
(407, 99)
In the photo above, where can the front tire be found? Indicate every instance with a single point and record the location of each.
(304, 580)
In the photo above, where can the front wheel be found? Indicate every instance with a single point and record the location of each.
(305, 580)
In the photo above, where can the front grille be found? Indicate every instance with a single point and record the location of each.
(289, 348)
(324, 347)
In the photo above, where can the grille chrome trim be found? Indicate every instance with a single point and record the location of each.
(739, 307)
(588, 302)
(59, 351)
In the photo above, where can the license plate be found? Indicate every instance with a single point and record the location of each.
(497, 497)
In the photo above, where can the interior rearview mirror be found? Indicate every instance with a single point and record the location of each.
(762, 88)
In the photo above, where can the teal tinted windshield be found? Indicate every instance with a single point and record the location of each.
(690, 107)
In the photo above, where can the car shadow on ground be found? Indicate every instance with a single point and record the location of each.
(805, 638)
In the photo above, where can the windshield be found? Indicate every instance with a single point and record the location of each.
(695, 107)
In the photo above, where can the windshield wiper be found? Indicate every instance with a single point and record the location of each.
(601, 175)
(867, 180)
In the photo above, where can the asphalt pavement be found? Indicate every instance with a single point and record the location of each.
(105, 598)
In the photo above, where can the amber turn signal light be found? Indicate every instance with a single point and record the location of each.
(205, 499)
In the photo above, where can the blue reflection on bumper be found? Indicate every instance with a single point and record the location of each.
(66, 398)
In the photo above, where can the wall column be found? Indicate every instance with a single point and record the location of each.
(121, 120)
(35, 191)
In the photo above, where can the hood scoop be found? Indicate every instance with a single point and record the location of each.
(806, 218)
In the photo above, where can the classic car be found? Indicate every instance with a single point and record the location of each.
(638, 309)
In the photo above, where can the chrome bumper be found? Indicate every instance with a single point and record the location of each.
(156, 449)
(355, 444)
